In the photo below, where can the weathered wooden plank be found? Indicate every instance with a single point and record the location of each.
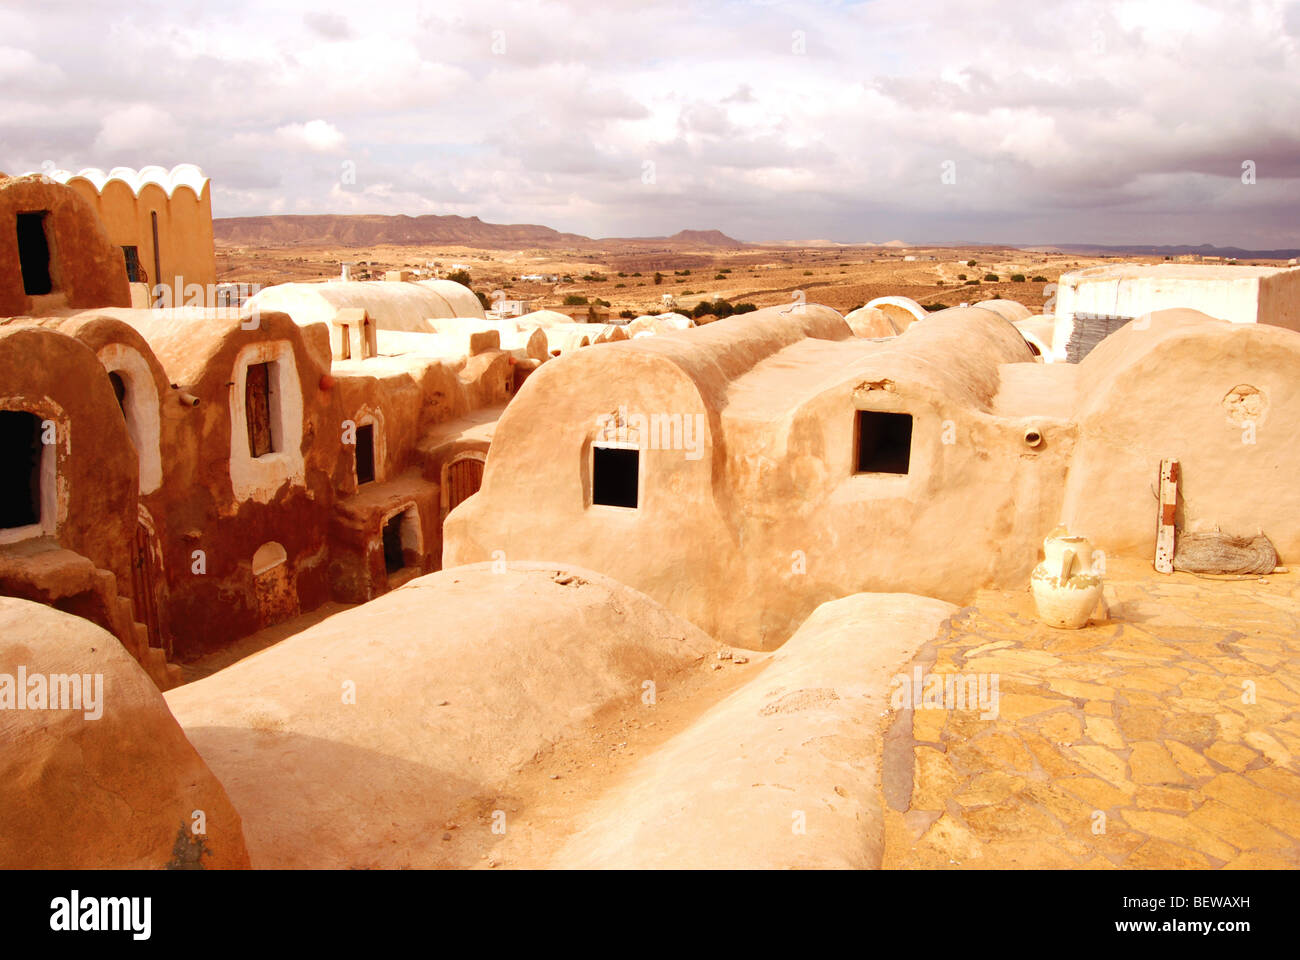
(1165, 520)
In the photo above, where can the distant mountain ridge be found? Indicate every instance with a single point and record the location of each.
(1155, 250)
(364, 230)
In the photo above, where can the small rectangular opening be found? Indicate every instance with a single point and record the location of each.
(119, 390)
(20, 469)
(257, 409)
(131, 255)
(394, 559)
(884, 442)
(614, 476)
(345, 346)
(365, 450)
(34, 254)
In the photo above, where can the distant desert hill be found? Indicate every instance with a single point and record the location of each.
(1181, 250)
(366, 230)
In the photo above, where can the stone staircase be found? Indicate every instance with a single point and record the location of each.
(42, 571)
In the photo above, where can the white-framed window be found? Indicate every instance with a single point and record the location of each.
(266, 414)
(28, 475)
(137, 395)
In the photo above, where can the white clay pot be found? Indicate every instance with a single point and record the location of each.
(1064, 603)
(1066, 555)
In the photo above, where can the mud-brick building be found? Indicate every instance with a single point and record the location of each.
(421, 427)
(55, 256)
(161, 222)
(69, 485)
(247, 418)
(747, 471)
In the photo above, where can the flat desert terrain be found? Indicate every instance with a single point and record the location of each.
(841, 277)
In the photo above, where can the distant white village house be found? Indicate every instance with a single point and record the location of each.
(1093, 303)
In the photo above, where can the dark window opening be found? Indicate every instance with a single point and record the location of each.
(614, 476)
(365, 450)
(345, 353)
(34, 254)
(884, 442)
(133, 272)
(394, 559)
(157, 257)
(257, 409)
(119, 390)
(20, 469)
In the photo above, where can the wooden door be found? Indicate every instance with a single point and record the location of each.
(144, 581)
(464, 477)
(257, 409)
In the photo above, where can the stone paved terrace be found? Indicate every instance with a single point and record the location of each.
(1141, 717)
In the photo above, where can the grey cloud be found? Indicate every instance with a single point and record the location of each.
(331, 26)
(1075, 120)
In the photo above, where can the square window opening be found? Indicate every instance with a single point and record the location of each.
(884, 442)
(34, 254)
(20, 469)
(614, 476)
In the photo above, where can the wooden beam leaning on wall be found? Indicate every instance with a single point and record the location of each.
(1165, 518)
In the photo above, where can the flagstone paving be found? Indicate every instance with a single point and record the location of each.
(1166, 736)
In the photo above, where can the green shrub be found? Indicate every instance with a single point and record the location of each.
(1039, 279)
(745, 308)
(970, 263)
(971, 283)
(659, 278)
(961, 276)
(575, 300)
(1017, 278)
(991, 277)
(459, 276)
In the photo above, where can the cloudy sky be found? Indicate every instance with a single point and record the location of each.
(921, 120)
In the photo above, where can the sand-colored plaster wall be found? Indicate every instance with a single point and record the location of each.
(1157, 390)
(764, 518)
